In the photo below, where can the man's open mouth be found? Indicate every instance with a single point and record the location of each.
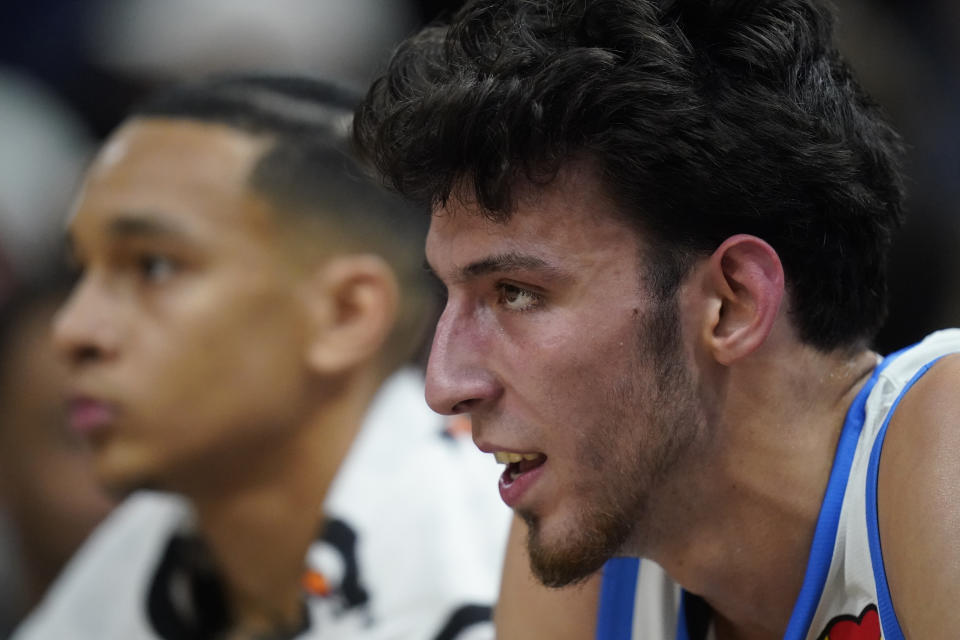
(518, 463)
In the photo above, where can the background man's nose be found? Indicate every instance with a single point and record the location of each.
(82, 330)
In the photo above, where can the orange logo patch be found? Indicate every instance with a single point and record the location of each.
(458, 426)
(315, 584)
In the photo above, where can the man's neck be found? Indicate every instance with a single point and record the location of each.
(260, 523)
(744, 545)
(259, 540)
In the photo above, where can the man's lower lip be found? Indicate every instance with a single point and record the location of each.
(512, 491)
(89, 418)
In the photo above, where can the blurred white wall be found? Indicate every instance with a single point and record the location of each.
(343, 40)
(45, 147)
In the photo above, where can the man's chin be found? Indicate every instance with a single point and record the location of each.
(569, 560)
(120, 485)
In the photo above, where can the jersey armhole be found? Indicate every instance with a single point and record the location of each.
(888, 617)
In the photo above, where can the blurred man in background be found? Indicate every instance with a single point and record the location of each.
(245, 297)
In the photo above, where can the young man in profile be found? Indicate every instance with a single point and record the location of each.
(245, 296)
(663, 229)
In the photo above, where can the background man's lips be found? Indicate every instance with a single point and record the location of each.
(86, 416)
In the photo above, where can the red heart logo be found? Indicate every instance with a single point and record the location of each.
(866, 626)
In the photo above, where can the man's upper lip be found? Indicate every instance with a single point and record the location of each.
(488, 447)
(81, 393)
(79, 399)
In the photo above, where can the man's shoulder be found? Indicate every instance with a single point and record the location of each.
(100, 590)
(918, 496)
(921, 357)
(137, 529)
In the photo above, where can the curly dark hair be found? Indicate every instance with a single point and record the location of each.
(704, 118)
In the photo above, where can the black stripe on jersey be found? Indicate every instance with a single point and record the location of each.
(698, 615)
(463, 618)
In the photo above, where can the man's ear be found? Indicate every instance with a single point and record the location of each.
(745, 278)
(353, 302)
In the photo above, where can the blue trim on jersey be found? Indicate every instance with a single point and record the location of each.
(615, 615)
(682, 632)
(888, 617)
(825, 535)
(617, 597)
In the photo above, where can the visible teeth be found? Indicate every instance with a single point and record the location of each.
(508, 457)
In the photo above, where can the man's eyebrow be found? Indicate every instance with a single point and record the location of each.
(502, 262)
(127, 225)
(507, 262)
(142, 224)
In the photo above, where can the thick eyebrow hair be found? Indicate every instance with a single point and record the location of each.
(142, 224)
(502, 262)
(506, 262)
(499, 263)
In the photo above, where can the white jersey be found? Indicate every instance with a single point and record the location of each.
(844, 593)
(411, 549)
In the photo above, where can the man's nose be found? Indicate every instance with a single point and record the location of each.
(83, 329)
(459, 378)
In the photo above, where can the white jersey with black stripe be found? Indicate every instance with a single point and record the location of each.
(845, 591)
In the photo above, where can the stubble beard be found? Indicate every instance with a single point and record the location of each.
(663, 400)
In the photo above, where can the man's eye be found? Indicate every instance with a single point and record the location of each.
(516, 299)
(156, 268)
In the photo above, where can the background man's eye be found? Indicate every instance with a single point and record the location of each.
(157, 268)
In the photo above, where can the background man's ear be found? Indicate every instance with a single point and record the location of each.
(745, 276)
(353, 302)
